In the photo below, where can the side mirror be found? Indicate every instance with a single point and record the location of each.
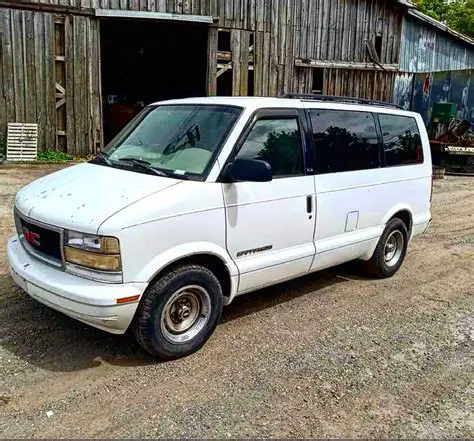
(249, 170)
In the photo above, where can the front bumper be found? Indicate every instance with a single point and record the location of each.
(90, 302)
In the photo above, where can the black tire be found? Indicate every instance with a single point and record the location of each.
(149, 325)
(377, 266)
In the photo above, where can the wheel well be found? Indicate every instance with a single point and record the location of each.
(405, 217)
(209, 261)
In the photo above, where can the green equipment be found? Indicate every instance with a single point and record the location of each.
(444, 113)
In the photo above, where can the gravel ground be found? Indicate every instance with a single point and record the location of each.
(330, 355)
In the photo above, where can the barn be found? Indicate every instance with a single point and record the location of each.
(81, 69)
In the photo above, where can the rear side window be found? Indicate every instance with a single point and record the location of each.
(401, 140)
(344, 141)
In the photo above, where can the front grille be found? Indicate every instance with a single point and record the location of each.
(39, 239)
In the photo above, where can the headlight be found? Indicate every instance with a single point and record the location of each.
(90, 242)
(92, 256)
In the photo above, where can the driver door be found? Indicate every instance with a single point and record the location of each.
(270, 225)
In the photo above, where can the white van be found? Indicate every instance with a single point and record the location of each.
(200, 200)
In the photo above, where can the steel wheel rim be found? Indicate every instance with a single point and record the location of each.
(185, 314)
(393, 248)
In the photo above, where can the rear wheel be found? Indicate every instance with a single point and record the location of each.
(390, 251)
(179, 312)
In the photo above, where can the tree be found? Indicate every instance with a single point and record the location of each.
(458, 14)
(434, 8)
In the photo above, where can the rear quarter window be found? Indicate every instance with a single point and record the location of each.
(401, 140)
(344, 141)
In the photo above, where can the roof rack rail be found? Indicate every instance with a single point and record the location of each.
(340, 99)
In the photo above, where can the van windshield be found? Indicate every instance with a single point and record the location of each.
(179, 140)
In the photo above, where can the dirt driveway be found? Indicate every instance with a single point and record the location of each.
(332, 354)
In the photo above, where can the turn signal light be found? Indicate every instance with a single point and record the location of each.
(90, 259)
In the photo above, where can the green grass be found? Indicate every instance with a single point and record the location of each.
(54, 156)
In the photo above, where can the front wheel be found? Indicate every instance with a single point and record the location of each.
(179, 312)
(390, 251)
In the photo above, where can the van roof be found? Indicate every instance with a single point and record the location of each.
(297, 101)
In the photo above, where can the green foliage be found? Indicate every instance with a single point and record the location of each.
(458, 15)
(54, 156)
(3, 145)
(434, 8)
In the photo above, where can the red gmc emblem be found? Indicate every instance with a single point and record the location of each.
(31, 237)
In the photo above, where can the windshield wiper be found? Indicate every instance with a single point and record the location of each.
(104, 157)
(145, 165)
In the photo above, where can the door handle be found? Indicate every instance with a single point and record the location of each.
(309, 204)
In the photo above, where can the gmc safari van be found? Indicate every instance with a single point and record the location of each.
(200, 200)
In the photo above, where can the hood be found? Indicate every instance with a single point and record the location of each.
(83, 196)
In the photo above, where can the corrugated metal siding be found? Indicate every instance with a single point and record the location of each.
(424, 49)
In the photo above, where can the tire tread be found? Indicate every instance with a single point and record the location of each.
(376, 265)
(145, 309)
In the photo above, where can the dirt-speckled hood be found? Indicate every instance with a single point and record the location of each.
(83, 196)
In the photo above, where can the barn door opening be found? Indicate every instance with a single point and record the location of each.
(144, 61)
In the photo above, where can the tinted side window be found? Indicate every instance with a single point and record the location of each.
(344, 141)
(276, 141)
(401, 139)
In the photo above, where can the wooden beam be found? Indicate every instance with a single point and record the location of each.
(227, 55)
(115, 13)
(42, 7)
(309, 62)
(60, 88)
(60, 103)
(224, 68)
(224, 55)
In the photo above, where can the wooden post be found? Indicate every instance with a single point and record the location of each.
(235, 44)
(212, 61)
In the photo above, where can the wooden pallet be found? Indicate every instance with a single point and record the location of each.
(22, 141)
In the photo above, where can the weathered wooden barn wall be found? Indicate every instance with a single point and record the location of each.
(25, 78)
(337, 32)
(375, 85)
(50, 75)
(282, 41)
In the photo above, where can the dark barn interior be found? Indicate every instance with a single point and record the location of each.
(146, 61)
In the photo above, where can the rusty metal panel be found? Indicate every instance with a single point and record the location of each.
(424, 49)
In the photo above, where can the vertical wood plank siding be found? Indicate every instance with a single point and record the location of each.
(281, 30)
(28, 77)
